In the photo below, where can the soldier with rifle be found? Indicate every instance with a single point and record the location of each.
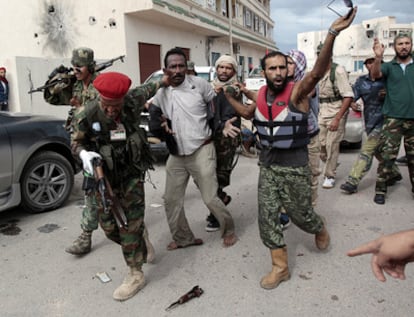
(107, 137)
(74, 86)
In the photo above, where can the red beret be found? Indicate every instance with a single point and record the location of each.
(3, 68)
(112, 85)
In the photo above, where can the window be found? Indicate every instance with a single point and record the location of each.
(385, 34)
(248, 18)
(224, 8)
(214, 57)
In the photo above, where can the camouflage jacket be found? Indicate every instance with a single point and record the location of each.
(129, 157)
(75, 89)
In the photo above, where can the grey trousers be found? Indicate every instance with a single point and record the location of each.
(201, 165)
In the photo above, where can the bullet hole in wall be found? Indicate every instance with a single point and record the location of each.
(92, 20)
(36, 35)
(112, 23)
(50, 9)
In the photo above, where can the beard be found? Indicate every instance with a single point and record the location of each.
(404, 55)
(276, 89)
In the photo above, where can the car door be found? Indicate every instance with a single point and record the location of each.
(5, 159)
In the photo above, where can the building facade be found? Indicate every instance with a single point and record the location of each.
(354, 44)
(44, 32)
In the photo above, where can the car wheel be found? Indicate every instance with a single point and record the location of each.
(46, 182)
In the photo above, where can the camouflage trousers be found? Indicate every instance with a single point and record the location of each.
(290, 188)
(89, 220)
(225, 152)
(387, 151)
(364, 161)
(132, 199)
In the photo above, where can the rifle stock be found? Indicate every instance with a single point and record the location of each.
(71, 75)
(110, 201)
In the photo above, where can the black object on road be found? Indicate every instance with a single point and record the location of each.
(196, 291)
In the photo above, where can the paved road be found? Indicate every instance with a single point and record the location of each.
(39, 279)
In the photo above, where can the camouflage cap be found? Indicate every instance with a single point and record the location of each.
(82, 56)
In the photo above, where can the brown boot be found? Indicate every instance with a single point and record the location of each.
(322, 239)
(133, 282)
(150, 248)
(82, 244)
(280, 269)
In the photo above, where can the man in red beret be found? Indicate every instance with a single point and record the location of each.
(108, 129)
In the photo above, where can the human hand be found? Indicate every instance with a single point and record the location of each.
(165, 81)
(356, 106)
(75, 102)
(390, 254)
(87, 158)
(333, 126)
(378, 48)
(345, 21)
(229, 129)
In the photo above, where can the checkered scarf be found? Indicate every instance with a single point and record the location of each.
(300, 60)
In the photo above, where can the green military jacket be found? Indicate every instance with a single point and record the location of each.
(124, 157)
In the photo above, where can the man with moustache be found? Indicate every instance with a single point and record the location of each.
(226, 146)
(78, 93)
(108, 128)
(281, 118)
(398, 110)
(184, 105)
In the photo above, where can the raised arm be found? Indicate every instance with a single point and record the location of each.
(304, 87)
(379, 53)
(245, 111)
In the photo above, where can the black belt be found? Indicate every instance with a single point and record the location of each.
(329, 99)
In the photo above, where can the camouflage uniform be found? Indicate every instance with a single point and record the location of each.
(125, 163)
(398, 110)
(61, 96)
(288, 187)
(225, 146)
(387, 151)
(284, 183)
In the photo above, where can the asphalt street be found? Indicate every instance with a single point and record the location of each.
(39, 279)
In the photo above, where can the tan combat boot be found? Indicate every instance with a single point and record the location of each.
(322, 239)
(280, 269)
(150, 248)
(82, 244)
(134, 282)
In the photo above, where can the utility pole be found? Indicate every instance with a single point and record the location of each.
(230, 5)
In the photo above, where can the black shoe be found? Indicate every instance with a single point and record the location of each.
(284, 220)
(226, 199)
(379, 199)
(393, 180)
(402, 160)
(212, 224)
(349, 188)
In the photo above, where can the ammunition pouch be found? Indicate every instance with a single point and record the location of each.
(139, 151)
(106, 152)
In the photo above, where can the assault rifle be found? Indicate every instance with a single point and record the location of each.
(64, 75)
(110, 201)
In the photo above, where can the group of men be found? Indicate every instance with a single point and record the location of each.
(201, 122)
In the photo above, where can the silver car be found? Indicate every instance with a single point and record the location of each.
(354, 130)
(36, 166)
